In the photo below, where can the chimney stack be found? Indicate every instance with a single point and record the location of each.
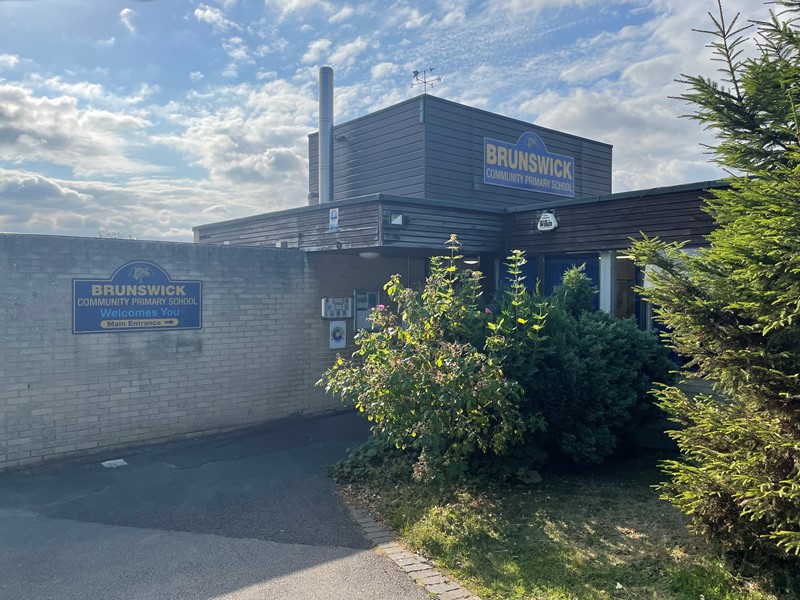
(325, 135)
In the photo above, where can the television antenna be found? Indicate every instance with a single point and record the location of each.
(424, 78)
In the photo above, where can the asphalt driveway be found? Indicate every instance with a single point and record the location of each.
(235, 516)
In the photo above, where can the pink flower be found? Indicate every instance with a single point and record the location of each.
(487, 311)
(381, 306)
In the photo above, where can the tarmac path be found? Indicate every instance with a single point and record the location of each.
(238, 516)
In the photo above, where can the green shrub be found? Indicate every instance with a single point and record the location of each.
(377, 460)
(497, 390)
(603, 380)
(588, 376)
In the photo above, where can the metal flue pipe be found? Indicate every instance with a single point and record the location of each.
(325, 134)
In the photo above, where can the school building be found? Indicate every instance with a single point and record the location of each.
(108, 343)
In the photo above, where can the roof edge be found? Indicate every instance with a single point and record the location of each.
(431, 98)
(698, 186)
(359, 200)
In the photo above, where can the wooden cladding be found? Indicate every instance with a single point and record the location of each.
(428, 147)
(609, 224)
(306, 228)
(431, 226)
(418, 224)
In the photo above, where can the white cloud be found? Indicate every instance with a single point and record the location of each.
(403, 15)
(218, 210)
(196, 76)
(517, 7)
(316, 51)
(237, 50)
(8, 61)
(34, 202)
(83, 89)
(283, 160)
(276, 45)
(231, 71)
(383, 69)
(142, 207)
(651, 72)
(652, 145)
(342, 57)
(601, 59)
(342, 15)
(106, 43)
(57, 130)
(345, 54)
(145, 91)
(33, 186)
(287, 7)
(249, 135)
(126, 18)
(104, 121)
(219, 22)
(454, 13)
(93, 92)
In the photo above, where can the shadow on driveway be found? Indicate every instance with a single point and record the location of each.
(234, 516)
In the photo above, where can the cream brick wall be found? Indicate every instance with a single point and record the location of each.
(262, 347)
(62, 393)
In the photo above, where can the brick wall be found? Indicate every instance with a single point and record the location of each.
(262, 346)
(341, 275)
(63, 393)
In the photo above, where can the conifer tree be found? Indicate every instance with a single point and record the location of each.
(734, 309)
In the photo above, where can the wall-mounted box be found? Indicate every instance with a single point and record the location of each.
(337, 307)
(365, 302)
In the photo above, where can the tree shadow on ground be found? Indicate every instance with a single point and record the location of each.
(597, 534)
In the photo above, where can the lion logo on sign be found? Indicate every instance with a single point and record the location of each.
(141, 272)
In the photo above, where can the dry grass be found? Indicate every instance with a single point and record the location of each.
(597, 535)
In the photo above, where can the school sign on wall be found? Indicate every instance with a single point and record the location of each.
(528, 165)
(139, 296)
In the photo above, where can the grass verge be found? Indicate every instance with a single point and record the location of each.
(595, 535)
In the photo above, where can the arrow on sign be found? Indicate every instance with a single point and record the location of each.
(138, 323)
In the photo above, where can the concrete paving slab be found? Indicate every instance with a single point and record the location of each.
(235, 516)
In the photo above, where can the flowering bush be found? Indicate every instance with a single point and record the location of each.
(424, 382)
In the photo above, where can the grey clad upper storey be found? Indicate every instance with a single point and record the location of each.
(382, 152)
(427, 147)
(408, 176)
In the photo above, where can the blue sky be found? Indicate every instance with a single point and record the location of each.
(148, 117)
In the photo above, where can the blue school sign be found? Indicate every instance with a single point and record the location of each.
(139, 296)
(528, 165)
